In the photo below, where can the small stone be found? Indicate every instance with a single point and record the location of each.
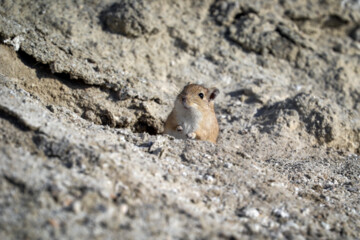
(51, 108)
(90, 115)
(53, 222)
(325, 225)
(227, 165)
(252, 212)
(209, 178)
(243, 154)
(157, 147)
(130, 18)
(253, 227)
(15, 42)
(76, 207)
(280, 213)
(124, 209)
(248, 212)
(355, 34)
(352, 189)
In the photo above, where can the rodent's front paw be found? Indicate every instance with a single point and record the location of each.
(191, 135)
(179, 128)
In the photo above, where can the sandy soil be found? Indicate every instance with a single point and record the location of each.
(85, 87)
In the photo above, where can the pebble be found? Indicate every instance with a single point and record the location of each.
(76, 207)
(209, 178)
(280, 213)
(248, 212)
(251, 212)
(227, 165)
(124, 209)
(325, 225)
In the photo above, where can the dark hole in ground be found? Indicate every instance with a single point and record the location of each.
(251, 97)
(240, 15)
(334, 21)
(145, 124)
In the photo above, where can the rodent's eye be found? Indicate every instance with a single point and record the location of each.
(201, 95)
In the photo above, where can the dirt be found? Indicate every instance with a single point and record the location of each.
(85, 87)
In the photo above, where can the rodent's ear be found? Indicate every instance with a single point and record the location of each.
(213, 93)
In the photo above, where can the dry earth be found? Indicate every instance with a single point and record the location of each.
(85, 87)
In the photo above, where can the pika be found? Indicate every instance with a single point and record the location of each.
(193, 115)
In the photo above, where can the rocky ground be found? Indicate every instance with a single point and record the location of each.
(86, 85)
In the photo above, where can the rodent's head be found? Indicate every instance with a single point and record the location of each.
(197, 97)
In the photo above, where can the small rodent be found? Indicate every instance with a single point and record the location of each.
(193, 115)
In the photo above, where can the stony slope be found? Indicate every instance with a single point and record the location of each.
(87, 85)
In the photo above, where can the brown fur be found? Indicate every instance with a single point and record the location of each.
(206, 126)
